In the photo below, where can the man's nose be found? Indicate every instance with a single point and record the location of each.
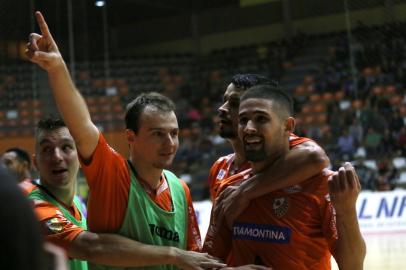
(223, 108)
(250, 128)
(58, 154)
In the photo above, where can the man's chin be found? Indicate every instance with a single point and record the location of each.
(163, 164)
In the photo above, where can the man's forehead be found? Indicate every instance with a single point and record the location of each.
(233, 90)
(157, 119)
(54, 136)
(256, 105)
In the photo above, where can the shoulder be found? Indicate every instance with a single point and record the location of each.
(224, 159)
(318, 185)
(295, 140)
(103, 151)
(220, 164)
(46, 210)
(235, 179)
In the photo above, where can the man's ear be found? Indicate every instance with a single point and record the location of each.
(290, 124)
(130, 134)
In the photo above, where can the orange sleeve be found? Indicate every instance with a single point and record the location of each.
(109, 183)
(212, 180)
(194, 242)
(329, 226)
(57, 228)
(295, 140)
(327, 211)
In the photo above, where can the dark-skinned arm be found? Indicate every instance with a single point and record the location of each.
(350, 249)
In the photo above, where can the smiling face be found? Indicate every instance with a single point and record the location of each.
(228, 112)
(156, 142)
(263, 132)
(56, 158)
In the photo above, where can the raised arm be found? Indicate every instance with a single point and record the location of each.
(302, 162)
(42, 50)
(350, 249)
(116, 250)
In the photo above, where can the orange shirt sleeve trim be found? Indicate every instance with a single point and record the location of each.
(57, 228)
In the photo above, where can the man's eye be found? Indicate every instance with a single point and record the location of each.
(243, 120)
(67, 147)
(262, 119)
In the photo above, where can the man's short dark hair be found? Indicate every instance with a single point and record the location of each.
(22, 155)
(137, 106)
(49, 124)
(283, 100)
(246, 81)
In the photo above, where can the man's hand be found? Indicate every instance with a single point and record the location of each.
(230, 204)
(344, 187)
(195, 260)
(42, 49)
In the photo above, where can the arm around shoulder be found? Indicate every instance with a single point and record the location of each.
(116, 250)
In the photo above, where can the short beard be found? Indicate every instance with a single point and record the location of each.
(255, 155)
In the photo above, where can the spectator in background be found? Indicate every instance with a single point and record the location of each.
(388, 144)
(345, 145)
(356, 131)
(18, 161)
(367, 175)
(401, 141)
(372, 141)
(387, 174)
(396, 122)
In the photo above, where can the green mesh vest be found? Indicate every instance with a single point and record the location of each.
(38, 194)
(147, 223)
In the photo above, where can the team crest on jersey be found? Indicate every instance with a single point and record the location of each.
(280, 206)
(221, 174)
(55, 225)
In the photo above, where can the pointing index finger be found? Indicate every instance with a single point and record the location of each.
(42, 25)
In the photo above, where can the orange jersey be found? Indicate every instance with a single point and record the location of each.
(293, 228)
(224, 167)
(109, 184)
(57, 228)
